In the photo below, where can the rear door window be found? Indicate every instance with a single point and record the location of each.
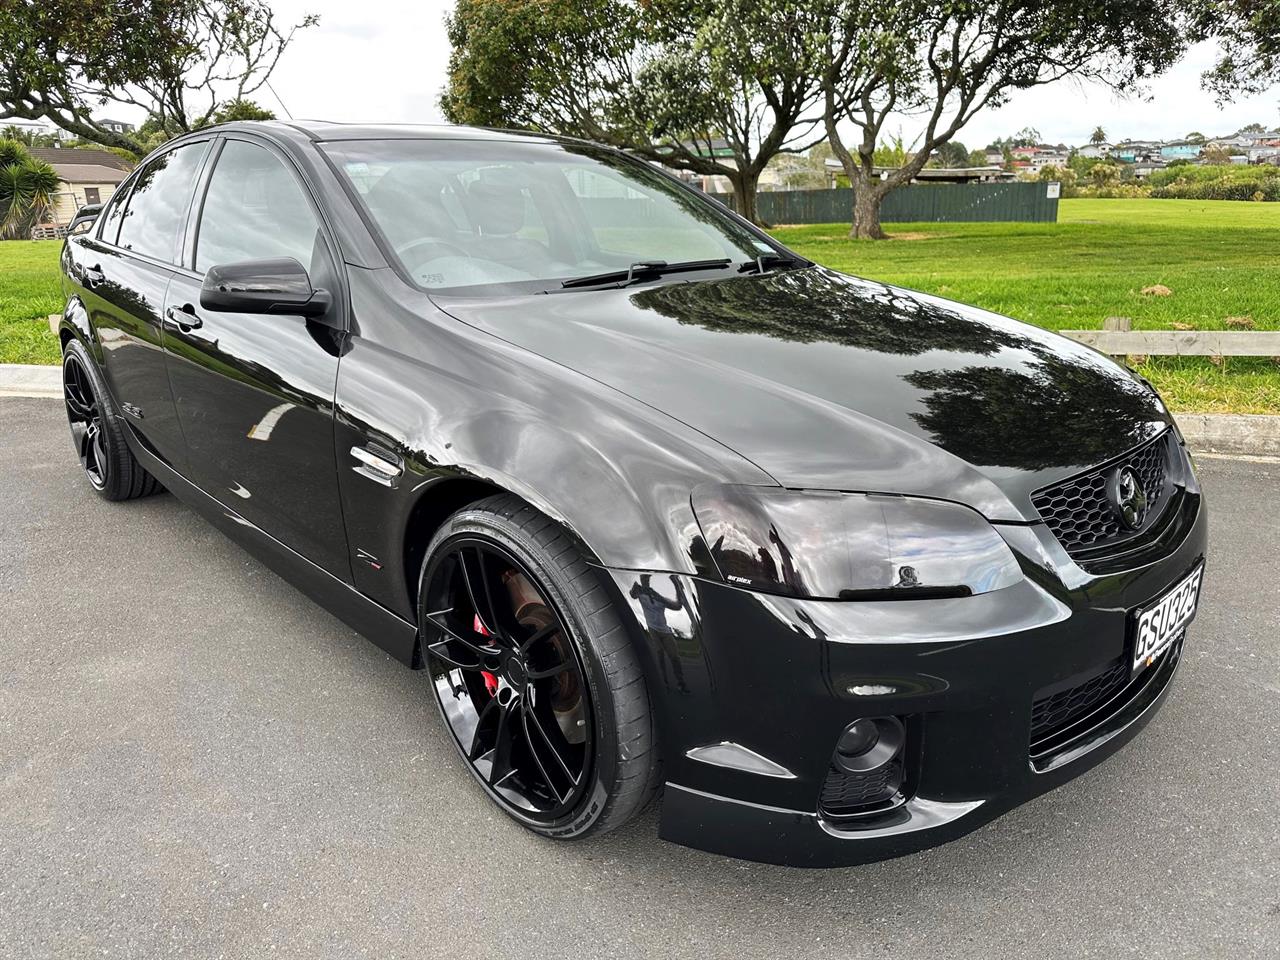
(157, 209)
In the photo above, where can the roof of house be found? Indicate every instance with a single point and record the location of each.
(88, 173)
(68, 156)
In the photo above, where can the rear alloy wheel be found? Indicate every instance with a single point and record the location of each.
(533, 673)
(96, 431)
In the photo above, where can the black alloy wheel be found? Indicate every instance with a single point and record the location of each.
(534, 673)
(97, 432)
(85, 416)
(510, 682)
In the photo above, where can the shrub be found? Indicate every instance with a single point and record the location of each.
(1114, 191)
(1260, 188)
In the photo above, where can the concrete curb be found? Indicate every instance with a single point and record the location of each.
(1231, 434)
(1226, 434)
(30, 380)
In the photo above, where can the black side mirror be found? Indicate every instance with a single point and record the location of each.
(279, 285)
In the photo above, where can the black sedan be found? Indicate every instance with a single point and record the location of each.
(654, 503)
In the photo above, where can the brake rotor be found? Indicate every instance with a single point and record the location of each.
(566, 694)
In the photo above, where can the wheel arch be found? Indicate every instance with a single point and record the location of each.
(75, 323)
(436, 501)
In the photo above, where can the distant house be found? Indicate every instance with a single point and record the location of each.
(117, 126)
(1145, 168)
(1131, 151)
(88, 176)
(1094, 151)
(1181, 149)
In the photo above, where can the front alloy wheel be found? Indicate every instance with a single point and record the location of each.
(533, 674)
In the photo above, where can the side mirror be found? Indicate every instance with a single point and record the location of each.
(279, 285)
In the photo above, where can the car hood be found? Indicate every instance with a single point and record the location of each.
(828, 381)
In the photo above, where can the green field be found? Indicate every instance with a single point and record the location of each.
(29, 291)
(1220, 259)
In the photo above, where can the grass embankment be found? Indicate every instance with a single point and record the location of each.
(29, 291)
(1220, 259)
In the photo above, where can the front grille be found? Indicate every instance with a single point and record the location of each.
(1079, 513)
(1062, 717)
(1058, 711)
(848, 794)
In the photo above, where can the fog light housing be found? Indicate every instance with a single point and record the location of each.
(869, 744)
(867, 769)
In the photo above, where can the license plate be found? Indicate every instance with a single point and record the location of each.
(1160, 623)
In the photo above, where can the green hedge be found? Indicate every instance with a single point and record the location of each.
(1187, 173)
(1256, 188)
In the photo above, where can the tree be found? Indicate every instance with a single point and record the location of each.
(1195, 136)
(1216, 154)
(977, 158)
(945, 60)
(954, 154)
(1099, 136)
(1253, 128)
(178, 59)
(1104, 174)
(241, 109)
(27, 187)
(1248, 34)
(715, 87)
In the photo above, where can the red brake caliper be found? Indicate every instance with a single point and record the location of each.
(490, 681)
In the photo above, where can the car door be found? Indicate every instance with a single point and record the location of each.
(122, 272)
(254, 392)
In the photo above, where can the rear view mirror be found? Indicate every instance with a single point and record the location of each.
(279, 285)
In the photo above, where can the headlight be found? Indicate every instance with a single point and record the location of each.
(850, 546)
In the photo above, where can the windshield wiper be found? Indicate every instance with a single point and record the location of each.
(642, 269)
(761, 263)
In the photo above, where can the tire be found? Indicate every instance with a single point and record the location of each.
(97, 431)
(624, 770)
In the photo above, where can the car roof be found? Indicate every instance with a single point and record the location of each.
(325, 130)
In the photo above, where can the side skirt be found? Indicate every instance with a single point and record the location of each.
(392, 633)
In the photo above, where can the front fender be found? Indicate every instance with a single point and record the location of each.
(452, 403)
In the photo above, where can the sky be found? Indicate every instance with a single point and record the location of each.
(385, 61)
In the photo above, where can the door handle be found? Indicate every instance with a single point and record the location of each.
(184, 318)
(93, 276)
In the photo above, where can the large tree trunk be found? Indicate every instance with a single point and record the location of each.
(868, 194)
(746, 183)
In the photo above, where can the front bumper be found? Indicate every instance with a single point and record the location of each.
(783, 677)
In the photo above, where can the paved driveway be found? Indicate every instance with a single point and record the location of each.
(197, 761)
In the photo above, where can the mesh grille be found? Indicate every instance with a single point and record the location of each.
(1097, 698)
(1078, 511)
(844, 793)
(1057, 712)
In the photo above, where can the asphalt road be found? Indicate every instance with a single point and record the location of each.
(197, 761)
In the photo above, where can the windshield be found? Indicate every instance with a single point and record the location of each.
(472, 215)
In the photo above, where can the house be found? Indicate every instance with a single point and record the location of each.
(1181, 149)
(117, 126)
(1131, 151)
(1094, 151)
(88, 176)
(1145, 168)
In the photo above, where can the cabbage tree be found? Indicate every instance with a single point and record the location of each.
(27, 187)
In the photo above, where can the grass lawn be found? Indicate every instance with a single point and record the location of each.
(30, 290)
(1221, 259)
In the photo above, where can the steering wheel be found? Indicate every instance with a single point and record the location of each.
(406, 252)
